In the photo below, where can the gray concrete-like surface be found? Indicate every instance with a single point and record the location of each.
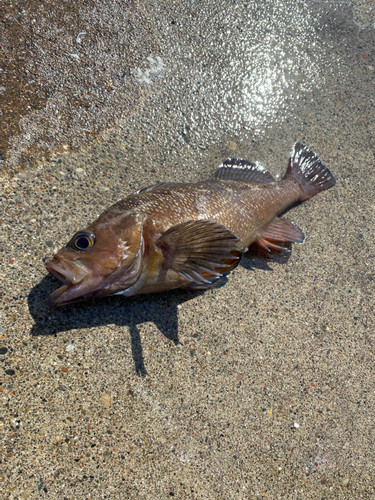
(261, 389)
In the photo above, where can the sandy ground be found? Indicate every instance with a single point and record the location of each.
(261, 389)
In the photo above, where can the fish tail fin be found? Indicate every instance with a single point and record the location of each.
(309, 171)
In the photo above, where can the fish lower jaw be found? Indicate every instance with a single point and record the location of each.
(53, 298)
(69, 293)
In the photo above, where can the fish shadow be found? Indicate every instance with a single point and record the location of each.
(160, 309)
(261, 261)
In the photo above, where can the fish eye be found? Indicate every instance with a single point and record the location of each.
(83, 241)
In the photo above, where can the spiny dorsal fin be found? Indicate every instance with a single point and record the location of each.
(196, 249)
(235, 169)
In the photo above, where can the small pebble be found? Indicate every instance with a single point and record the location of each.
(106, 400)
(49, 244)
(3, 350)
(296, 425)
(345, 481)
(70, 348)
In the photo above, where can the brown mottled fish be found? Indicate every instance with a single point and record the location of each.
(187, 235)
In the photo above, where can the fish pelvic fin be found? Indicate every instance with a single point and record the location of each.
(215, 282)
(198, 250)
(277, 237)
(235, 169)
(309, 171)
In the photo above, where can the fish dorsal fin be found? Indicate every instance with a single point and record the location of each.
(276, 238)
(235, 169)
(196, 249)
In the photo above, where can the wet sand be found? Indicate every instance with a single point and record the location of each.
(261, 389)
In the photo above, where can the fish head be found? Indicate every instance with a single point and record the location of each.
(103, 259)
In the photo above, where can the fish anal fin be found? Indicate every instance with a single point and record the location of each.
(235, 169)
(277, 237)
(197, 250)
(257, 251)
(264, 249)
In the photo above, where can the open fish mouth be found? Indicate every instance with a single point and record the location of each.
(53, 298)
(73, 275)
(65, 270)
(80, 283)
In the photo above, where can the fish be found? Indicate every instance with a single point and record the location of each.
(187, 235)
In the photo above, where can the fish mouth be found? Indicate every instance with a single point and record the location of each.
(80, 283)
(73, 275)
(65, 270)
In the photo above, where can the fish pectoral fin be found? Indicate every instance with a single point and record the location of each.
(197, 250)
(235, 169)
(275, 238)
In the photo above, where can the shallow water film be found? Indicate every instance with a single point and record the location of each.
(260, 389)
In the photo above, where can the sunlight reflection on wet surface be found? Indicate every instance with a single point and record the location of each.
(241, 66)
(263, 55)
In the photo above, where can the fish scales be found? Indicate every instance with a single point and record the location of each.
(243, 208)
(177, 235)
